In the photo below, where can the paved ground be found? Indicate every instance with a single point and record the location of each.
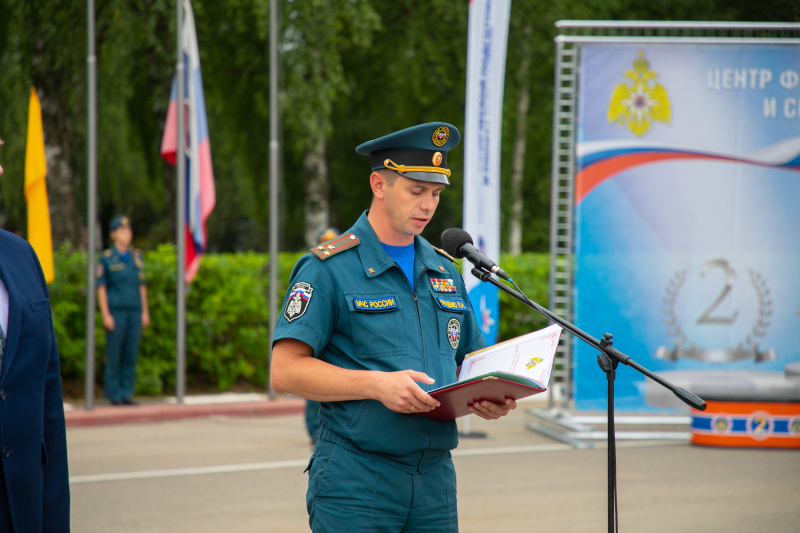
(244, 474)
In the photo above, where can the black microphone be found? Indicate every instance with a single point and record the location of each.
(458, 243)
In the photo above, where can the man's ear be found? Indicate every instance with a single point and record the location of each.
(378, 185)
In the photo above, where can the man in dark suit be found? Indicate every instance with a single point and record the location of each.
(34, 480)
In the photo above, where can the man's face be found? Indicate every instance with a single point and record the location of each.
(122, 236)
(410, 204)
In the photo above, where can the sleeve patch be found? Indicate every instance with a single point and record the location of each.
(299, 298)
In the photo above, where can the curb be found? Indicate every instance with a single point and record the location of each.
(107, 415)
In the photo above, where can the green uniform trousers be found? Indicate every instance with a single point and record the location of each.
(358, 493)
(122, 348)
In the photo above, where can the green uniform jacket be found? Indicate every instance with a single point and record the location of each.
(121, 278)
(356, 310)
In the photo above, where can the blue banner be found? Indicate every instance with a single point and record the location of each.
(483, 120)
(687, 221)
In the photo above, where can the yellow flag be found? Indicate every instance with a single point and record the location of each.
(36, 190)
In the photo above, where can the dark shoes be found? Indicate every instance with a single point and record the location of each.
(125, 401)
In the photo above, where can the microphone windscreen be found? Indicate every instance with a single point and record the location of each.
(453, 239)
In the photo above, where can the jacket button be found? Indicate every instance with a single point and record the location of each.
(3, 394)
(6, 452)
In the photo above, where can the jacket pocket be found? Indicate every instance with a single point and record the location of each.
(450, 318)
(376, 320)
(37, 306)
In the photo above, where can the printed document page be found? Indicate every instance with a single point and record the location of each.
(529, 355)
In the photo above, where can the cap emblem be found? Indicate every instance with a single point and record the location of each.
(440, 135)
(437, 159)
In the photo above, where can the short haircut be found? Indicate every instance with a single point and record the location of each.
(389, 175)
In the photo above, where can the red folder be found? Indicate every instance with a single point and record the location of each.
(494, 387)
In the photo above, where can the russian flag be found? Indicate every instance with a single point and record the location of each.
(200, 191)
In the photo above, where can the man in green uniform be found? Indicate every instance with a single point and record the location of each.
(122, 297)
(372, 320)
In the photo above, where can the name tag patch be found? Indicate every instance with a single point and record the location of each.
(451, 304)
(375, 304)
(442, 285)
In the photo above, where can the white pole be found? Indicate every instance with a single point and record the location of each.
(91, 202)
(180, 230)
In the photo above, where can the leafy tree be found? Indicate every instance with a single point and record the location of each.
(351, 71)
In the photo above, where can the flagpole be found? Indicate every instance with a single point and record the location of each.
(274, 173)
(91, 216)
(180, 223)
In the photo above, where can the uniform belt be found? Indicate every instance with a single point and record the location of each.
(422, 461)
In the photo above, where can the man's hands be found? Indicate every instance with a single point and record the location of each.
(399, 391)
(492, 411)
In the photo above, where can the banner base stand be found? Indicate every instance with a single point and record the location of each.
(580, 431)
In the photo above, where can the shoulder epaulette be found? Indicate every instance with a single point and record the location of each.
(334, 246)
(107, 253)
(442, 252)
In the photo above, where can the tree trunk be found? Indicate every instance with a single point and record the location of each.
(316, 202)
(60, 176)
(520, 143)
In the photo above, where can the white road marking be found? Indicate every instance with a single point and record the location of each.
(301, 463)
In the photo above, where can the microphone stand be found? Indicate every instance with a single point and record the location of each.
(608, 360)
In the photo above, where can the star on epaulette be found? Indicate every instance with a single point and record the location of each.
(334, 246)
(442, 252)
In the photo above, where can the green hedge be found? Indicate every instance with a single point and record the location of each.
(227, 318)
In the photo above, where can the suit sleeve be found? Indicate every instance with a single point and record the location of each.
(101, 272)
(55, 494)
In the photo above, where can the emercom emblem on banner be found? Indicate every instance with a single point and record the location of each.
(640, 102)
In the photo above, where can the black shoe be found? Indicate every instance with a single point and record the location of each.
(117, 402)
(128, 401)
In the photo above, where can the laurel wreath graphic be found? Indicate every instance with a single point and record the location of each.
(751, 342)
(679, 338)
(759, 329)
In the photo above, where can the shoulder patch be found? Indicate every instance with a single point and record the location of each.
(299, 298)
(107, 253)
(442, 252)
(335, 246)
